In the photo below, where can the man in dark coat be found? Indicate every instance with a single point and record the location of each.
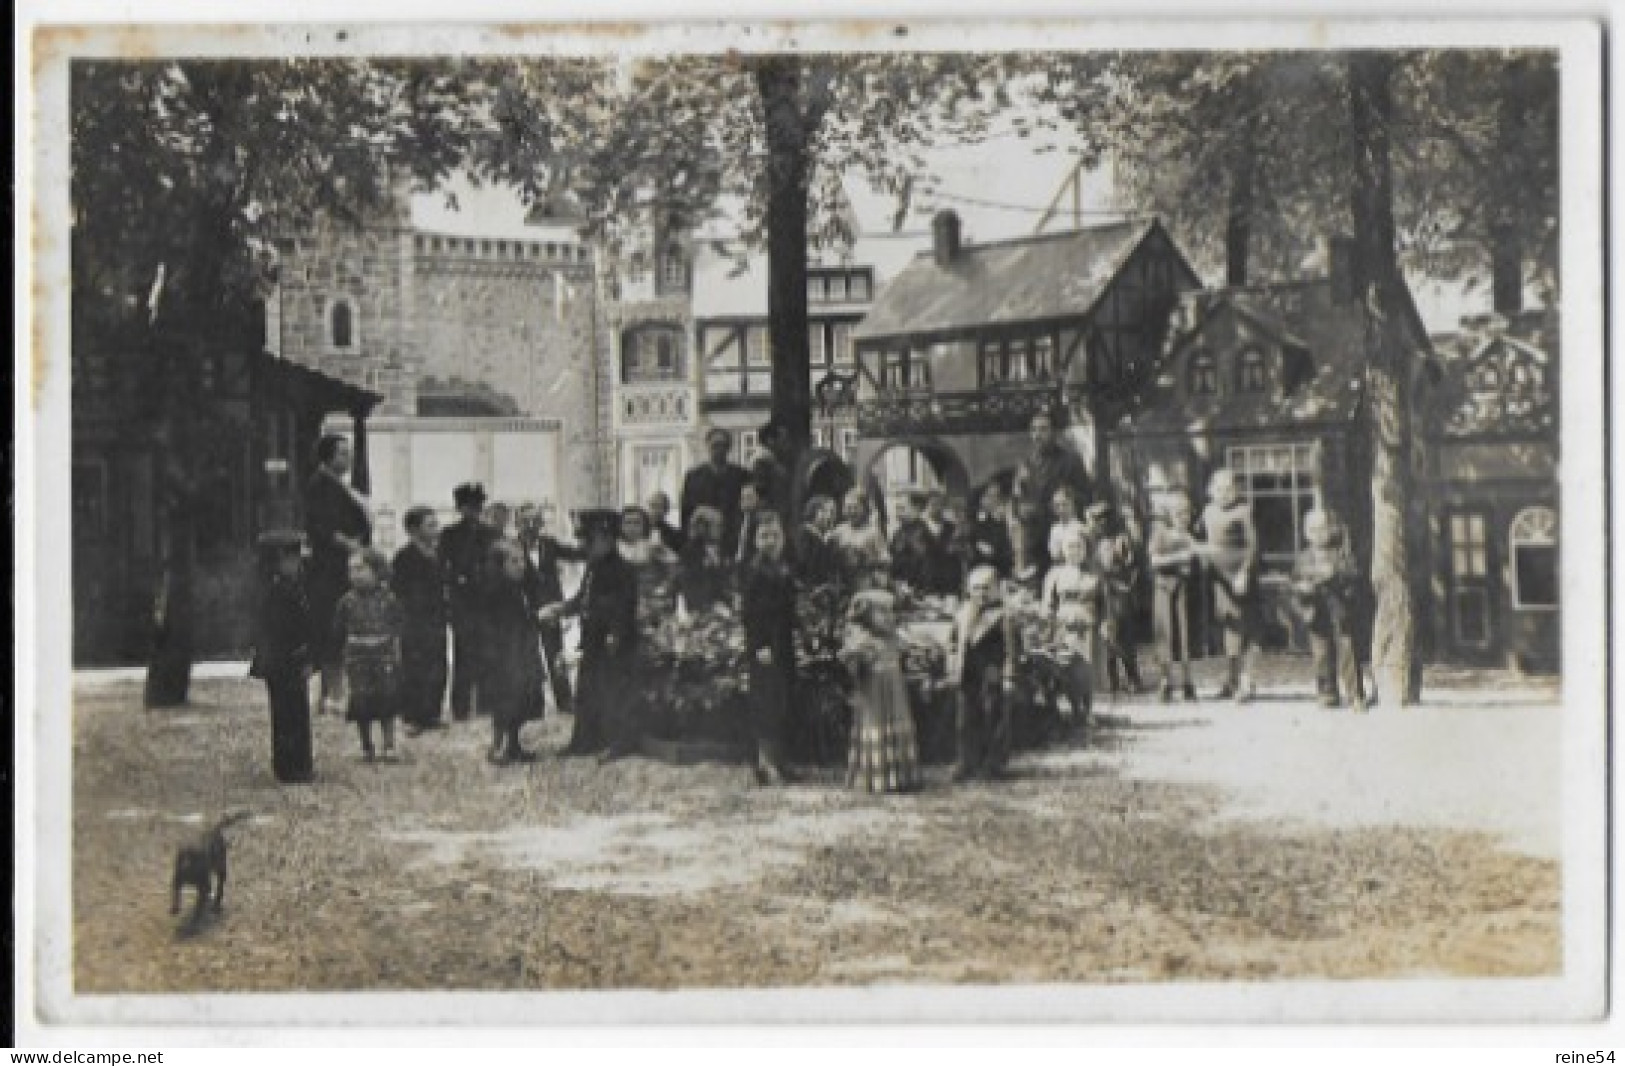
(338, 525)
(987, 540)
(545, 586)
(465, 546)
(607, 604)
(716, 484)
(1048, 467)
(419, 583)
(282, 656)
(945, 570)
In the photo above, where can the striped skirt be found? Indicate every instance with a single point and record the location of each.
(884, 754)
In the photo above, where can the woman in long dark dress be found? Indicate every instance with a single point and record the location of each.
(769, 615)
(338, 525)
(517, 683)
(282, 657)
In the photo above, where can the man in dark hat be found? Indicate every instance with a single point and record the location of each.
(607, 604)
(716, 484)
(464, 547)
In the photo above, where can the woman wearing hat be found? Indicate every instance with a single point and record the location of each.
(338, 525)
(607, 604)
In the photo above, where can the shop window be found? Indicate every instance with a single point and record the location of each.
(1534, 560)
(651, 353)
(1204, 375)
(1280, 482)
(1254, 376)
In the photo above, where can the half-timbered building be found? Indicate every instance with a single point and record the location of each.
(969, 340)
(1492, 466)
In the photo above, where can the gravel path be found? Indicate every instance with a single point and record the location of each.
(1187, 842)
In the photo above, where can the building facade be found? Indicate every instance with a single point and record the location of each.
(1492, 487)
(484, 349)
(970, 341)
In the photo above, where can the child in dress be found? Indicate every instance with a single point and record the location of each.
(985, 647)
(859, 542)
(1074, 595)
(1326, 583)
(283, 658)
(515, 685)
(367, 625)
(884, 755)
(1065, 524)
(769, 614)
(1173, 555)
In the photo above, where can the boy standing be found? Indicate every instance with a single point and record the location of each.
(1326, 582)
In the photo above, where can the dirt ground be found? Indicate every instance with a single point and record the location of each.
(1189, 842)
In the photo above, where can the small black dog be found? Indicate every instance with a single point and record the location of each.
(201, 863)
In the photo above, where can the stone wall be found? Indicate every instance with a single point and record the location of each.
(516, 317)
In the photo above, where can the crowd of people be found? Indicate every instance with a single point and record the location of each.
(1044, 586)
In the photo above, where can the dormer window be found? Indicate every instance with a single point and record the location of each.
(1204, 375)
(1254, 376)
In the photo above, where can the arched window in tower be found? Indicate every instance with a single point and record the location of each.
(342, 324)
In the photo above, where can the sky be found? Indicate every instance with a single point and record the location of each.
(1000, 189)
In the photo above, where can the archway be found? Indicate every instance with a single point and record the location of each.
(906, 464)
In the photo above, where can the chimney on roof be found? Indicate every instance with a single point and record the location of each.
(1506, 270)
(945, 237)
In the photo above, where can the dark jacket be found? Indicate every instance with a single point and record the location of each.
(542, 558)
(419, 582)
(464, 549)
(672, 537)
(769, 611)
(817, 561)
(706, 486)
(701, 582)
(607, 604)
(987, 543)
(282, 631)
(514, 682)
(330, 509)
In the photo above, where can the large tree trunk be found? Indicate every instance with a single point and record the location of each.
(1395, 558)
(1238, 221)
(779, 80)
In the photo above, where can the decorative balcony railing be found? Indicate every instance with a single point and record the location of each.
(1001, 409)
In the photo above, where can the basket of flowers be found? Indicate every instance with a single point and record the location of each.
(697, 679)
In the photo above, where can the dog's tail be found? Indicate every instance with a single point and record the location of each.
(228, 820)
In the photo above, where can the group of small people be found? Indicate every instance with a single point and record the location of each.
(378, 629)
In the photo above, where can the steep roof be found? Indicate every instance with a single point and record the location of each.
(1324, 337)
(1499, 378)
(1029, 279)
